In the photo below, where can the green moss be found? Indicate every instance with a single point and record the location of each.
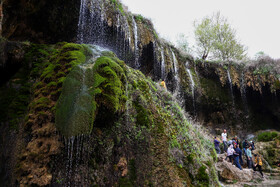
(190, 158)
(51, 84)
(214, 91)
(267, 136)
(42, 100)
(48, 71)
(142, 117)
(155, 34)
(117, 4)
(139, 18)
(15, 98)
(132, 171)
(87, 90)
(202, 176)
(125, 182)
(277, 85)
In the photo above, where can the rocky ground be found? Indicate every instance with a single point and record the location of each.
(231, 176)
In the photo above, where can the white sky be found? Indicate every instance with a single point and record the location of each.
(257, 21)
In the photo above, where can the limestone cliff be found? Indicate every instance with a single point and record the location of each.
(87, 119)
(112, 124)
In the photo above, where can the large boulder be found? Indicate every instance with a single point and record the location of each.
(229, 173)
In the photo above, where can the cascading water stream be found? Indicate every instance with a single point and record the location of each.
(231, 87)
(175, 63)
(74, 144)
(243, 96)
(192, 87)
(162, 64)
(81, 23)
(136, 50)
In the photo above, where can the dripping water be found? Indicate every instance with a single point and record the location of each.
(162, 64)
(176, 77)
(231, 87)
(193, 88)
(136, 50)
(244, 97)
(74, 149)
(81, 23)
(70, 152)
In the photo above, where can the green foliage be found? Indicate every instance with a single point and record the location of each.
(183, 44)
(132, 171)
(117, 4)
(260, 55)
(202, 176)
(155, 34)
(139, 18)
(125, 182)
(267, 136)
(263, 70)
(142, 117)
(174, 142)
(215, 37)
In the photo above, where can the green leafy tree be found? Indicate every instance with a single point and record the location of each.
(215, 38)
(183, 44)
(204, 36)
(260, 55)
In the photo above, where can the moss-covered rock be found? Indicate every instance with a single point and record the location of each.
(87, 90)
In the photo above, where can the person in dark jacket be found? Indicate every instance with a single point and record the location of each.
(240, 154)
(253, 145)
(236, 154)
(217, 145)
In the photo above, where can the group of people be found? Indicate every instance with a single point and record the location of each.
(234, 152)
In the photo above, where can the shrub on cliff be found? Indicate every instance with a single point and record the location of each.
(267, 136)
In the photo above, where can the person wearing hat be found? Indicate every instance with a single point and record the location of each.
(258, 163)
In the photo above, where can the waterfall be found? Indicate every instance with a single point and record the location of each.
(136, 50)
(231, 87)
(81, 23)
(162, 64)
(77, 87)
(74, 153)
(243, 95)
(192, 87)
(127, 32)
(175, 68)
(176, 77)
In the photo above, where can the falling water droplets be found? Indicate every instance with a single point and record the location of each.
(192, 87)
(176, 76)
(136, 50)
(231, 87)
(162, 64)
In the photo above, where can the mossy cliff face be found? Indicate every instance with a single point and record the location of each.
(131, 132)
(38, 83)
